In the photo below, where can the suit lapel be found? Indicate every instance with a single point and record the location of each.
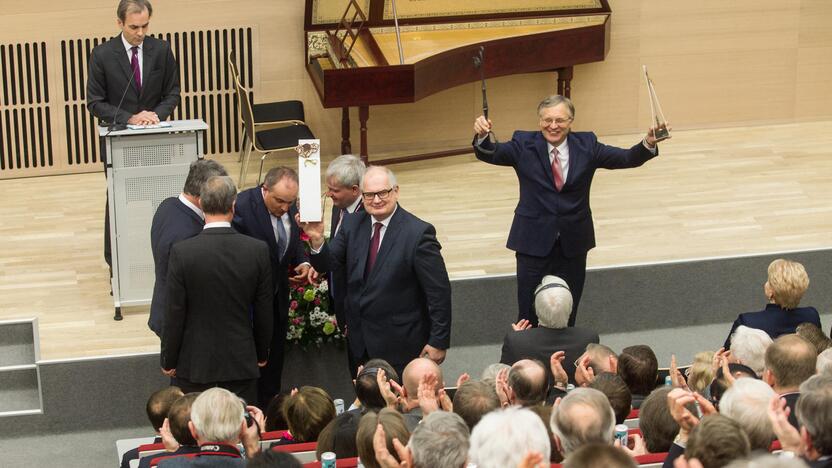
(264, 219)
(575, 150)
(121, 58)
(362, 242)
(542, 151)
(148, 58)
(387, 243)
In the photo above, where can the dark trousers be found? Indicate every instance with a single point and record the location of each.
(530, 270)
(268, 385)
(245, 389)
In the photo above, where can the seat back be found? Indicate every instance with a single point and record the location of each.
(246, 113)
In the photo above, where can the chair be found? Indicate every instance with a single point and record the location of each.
(147, 450)
(303, 451)
(342, 463)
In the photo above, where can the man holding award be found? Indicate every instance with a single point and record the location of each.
(552, 230)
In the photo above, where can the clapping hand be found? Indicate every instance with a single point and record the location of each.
(676, 377)
(521, 325)
(556, 366)
(584, 375)
(383, 456)
(387, 387)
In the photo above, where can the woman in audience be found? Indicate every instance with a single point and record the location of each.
(700, 374)
(787, 282)
(338, 436)
(813, 334)
(306, 412)
(274, 414)
(394, 428)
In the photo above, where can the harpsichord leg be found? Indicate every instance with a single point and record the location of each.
(346, 146)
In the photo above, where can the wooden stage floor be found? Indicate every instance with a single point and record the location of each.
(711, 193)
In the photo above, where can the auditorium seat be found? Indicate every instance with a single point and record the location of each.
(151, 449)
(303, 451)
(632, 419)
(651, 460)
(341, 463)
(125, 445)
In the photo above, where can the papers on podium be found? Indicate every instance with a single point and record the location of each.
(309, 180)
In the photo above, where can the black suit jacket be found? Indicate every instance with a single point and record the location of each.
(110, 73)
(405, 301)
(539, 343)
(219, 319)
(774, 320)
(337, 281)
(172, 222)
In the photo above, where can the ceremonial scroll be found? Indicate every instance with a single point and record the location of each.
(309, 180)
(659, 122)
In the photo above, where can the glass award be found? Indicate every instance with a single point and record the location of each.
(659, 122)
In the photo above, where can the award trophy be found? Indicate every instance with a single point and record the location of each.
(659, 122)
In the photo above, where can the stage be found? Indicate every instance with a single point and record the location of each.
(714, 193)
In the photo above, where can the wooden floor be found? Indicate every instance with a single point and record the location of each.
(721, 192)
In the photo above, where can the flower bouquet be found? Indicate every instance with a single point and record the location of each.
(310, 322)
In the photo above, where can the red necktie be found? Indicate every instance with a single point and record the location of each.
(374, 243)
(137, 73)
(557, 171)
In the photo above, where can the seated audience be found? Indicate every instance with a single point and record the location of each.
(307, 411)
(721, 384)
(658, 428)
(787, 282)
(544, 412)
(768, 460)
(274, 413)
(639, 368)
(527, 384)
(217, 424)
(813, 334)
(747, 402)
(616, 391)
(394, 428)
(491, 371)
(178, 428)
(553, 304)
(599, 455)
(338, 436)
(157, 409)
(412, 375)
(441, 440)
(518, 430)
(701, 372)
(273, 459)
(824, 362)
(749, 348)
(717, 441)
(583, 416)
(814, 412)
(789, 361)
(368, 396)
(473, 400)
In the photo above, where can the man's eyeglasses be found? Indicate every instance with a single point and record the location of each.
(381, 194)
(558, 122)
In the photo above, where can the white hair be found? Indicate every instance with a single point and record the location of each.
(391, 178)
(347, 169)
(503, 437)
(746, 402)
(440, 441)
(553, 304)
(217, 415)
(748, 345)
(824, 362)
(574, 433)
(492, 370)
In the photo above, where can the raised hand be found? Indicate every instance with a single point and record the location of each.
(383, 456)
(778, 414)
(426, 393)
(676, 377)
(462, 379)
(521, 325)
(384, 387)
(584, 375)
(313, 229)
(556, 366)
(482, 126)
(501, 385)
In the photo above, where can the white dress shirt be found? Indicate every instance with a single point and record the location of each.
(563, 156)
(217, 224)
(190, 205)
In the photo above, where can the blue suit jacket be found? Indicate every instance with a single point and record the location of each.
(172, 222)
(543, 214)
(775, 320)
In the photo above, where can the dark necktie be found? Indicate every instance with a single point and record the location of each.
(137, 73)
(281, 238)
(374, 243)
(557, 171)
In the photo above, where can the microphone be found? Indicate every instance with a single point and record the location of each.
(114, 127)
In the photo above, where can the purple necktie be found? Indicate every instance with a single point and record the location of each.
(374, 243)
(137, 73)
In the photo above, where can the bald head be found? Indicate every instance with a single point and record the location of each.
(527, 382)
(414, 372)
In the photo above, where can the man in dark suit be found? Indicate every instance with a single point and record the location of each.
(552, 229)
(343, 186)
(397, 299)
(176, 218)
(219, 319)
(553, 304)
(267, 213)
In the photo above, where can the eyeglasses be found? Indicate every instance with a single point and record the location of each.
(381, 194)
(558, 122)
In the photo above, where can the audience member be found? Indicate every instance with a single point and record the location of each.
(658, 428)
(601, 358)
(366, 384)
(701, 372)
(412, 376)
(274, 413)
(441, 440)
(394, 427)
(716, 441)
(721, 383)
(746, 402)
(749, 348)
(583, 416)
(552, 304)
(178, 427)
(814, 411)
(813, 334)
(768, 460)
(218, 424)
(307, 411)
(527, 383)
(338, 436)
(639, 368)
(786, 284)
(824, 363)
(789, 361)
(598, 455)
(491, 371)
(157, 409)
(274, 459)
(519, 431)
(475, 399)
(616, 391)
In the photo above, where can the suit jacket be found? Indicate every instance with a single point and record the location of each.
(172, 222)
(110, 73)
(405, 301)
(219, 319)
(147, 462)
(539, 343)
(543, 214)
(337, 281)
(775, 320)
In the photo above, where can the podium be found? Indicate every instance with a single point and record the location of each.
(143, 167)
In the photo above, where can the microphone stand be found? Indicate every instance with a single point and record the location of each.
(114, 127)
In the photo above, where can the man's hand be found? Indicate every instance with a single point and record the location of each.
(521, 325)
(171, 445)
(677, 400)
(676, 377)
(258, 416)
(250, 438)
(384, 387)
(651, 139)
(169, 372)
(533, 460)
(584, 375)
(262, 363)
(144, 118)
(638, 447)
(501, 386)
(383, 456)
(312, 276)
(462, 379)
(556, 366)
(778, 414)
(434, 354)
(426, 393)
(315, 231)
(301, 274)
(482, 126)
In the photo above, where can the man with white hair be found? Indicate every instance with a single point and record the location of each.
(552, 304)
(747, 402)
(824, 362)
(440, 441)
(583, 416)
(503, 437)
(218, 424)
(748, 347)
